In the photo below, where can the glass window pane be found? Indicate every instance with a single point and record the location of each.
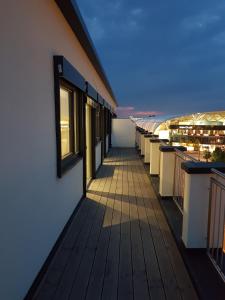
(98, 136)
(76, 123)
(65, 122)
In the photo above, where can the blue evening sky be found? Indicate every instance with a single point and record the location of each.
(160, 55)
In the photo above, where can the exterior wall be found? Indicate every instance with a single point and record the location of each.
(147, 150)
(123, 133)
(35, 204)
(196, 204)
(166, 181)
(98, 155)
(142, 144)
(138, 140)
(107, 143)
(154, 158)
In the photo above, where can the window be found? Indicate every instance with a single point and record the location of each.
(65, 122)
(98, 124)
(69, 128)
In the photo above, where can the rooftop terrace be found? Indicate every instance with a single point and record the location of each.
(118, 245)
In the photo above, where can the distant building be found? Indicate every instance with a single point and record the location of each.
(207, 129)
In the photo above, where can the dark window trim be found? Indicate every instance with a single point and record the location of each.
(103, 132)
(67, 76)
(100, 99)
(98, 138)
(65, 70)
(91, 92)
(93, 140)
(96, 97)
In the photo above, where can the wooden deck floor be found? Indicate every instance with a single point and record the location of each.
(119, 245)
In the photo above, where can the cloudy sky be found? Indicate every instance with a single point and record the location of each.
(159, 55)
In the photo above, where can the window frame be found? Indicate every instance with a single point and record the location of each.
(98, 136)
(69, 161)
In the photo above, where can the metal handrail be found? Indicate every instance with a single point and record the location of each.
(185, 155)
(163, 143)
(178, 184)
(214, 171)
(216, 222)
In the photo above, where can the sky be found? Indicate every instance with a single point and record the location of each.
(161, 56)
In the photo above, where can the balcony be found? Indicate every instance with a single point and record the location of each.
(119, 244)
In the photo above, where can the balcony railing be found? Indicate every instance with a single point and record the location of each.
(178, 186)
(200, 190)
(216, 222)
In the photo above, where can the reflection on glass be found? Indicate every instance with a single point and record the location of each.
(76, 136)
(65, 122)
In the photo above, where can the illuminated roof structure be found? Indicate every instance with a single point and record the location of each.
(163, 122)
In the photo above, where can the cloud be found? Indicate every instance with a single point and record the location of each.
(132, 24)
(147, 113)
(136, 11)
(126, 108)
(199, 22)
(126, 111)
(115, 6)
(220, 38)
(159, 63)
(95, 28)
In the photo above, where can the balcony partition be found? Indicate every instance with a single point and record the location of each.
(178, 184)
(216, 222)
(123, 133)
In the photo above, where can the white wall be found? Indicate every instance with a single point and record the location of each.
(98, 155)
(34, 204)
(123, 133)
(195, 211)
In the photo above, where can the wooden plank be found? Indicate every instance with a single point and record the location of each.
(81, 281)
(183, 280)
(66, 283)
(62, 258)
(140, 284)
(119, 246)
(155, 283)
(125, 286)
(169, 281)
(110, 284)
(96, 280)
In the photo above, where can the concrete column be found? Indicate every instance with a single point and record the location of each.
(147, 151)
(142, 143)
(154, 156)
(167, 166)
(139, 140)
(196, 202)
(147, 147)
(139, 133)
(136, 137)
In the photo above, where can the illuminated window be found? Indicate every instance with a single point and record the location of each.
(69, 127)
(65, 122)
(76, 122)
(98, 123)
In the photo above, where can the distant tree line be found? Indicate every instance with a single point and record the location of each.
(217, 155)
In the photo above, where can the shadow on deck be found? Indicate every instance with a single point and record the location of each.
(119, 245)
